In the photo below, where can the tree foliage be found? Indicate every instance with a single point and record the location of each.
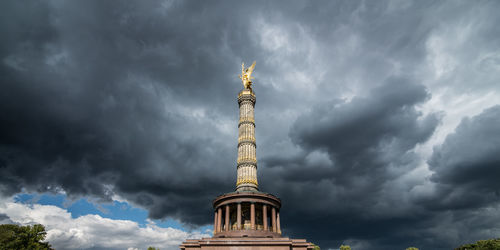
(23, 237)
(411, 248)
(345, 247)
(316, 247)
(493, 244)
(153, 248)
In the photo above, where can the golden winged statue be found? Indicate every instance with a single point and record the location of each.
(246, 75)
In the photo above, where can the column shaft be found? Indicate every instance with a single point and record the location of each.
(227, 218)
(215, 221)
(252, 215)
(273, 218)
(238, 216)
(219, 219)
(264, 216)
(278, 221)
(247, 160)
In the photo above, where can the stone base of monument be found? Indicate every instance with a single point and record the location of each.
(247, 233)
(247, 221)
(244, 243)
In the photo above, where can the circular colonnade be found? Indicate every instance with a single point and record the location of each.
(247, 214)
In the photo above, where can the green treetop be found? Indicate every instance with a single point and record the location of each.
(492, 244)
(345, 247)
(23, 237)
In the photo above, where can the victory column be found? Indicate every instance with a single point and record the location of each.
(247, 159)
(247, 218)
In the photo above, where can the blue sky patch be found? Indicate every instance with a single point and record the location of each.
(116, 210)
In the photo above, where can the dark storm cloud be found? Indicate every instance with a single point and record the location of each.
(368, 141)
(96, 99)
(467, 165)
(137, 99)
(367, 131)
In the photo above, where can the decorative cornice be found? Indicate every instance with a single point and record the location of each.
(249, 121)
(247, 181)
(246, 163)
(235, 197)
(247, 141)
(246, 96)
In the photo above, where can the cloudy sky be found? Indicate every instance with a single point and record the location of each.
(378, 122)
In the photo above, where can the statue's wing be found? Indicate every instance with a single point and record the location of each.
(250, 69)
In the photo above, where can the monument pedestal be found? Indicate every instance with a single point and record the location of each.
(244, 243)
(247, 221)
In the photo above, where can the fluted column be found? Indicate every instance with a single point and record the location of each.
(264, 216)
(219, 219)
(252, 216)
(247, 159)
(238, 216)
(273, 218)
(227, 218)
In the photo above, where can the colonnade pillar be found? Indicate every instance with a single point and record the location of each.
(252, 216)
(222, 220)
(238, 216)
(273, 218)
(215, 221)
(278, 222)
(219, 219)
(227, 219)
(264, 216)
